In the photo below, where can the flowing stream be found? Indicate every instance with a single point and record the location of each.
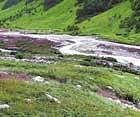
(87, 45)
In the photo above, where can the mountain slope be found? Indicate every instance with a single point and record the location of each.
(63, 14)
(108, 23)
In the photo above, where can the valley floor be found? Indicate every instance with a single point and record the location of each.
(40, 81)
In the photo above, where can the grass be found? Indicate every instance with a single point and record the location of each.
(63, 15)
(63, 70)
(107, 24)
(36, 48)
(65, 74)
(63, 78)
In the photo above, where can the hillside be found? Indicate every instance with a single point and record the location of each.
(107, 23)
(69, 58)
(104, 22)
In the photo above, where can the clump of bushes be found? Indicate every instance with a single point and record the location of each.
(89, 8)
(74, 29)
(10, 3)
(132, 23)
(19, 56)
(50, 3)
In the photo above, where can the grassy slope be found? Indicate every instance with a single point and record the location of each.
(63, 15)
(107, 24)
(74, 102)
(11, 11)
(1, 4)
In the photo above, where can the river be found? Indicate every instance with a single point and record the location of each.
(87, 45)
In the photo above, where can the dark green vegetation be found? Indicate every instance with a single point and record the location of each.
(34, 48)
(115, 20)
(50, 3)
(132, 23)
(10, 3)
(24, 47)
(91, 8)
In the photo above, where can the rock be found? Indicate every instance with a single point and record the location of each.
(109, 87)
(4, 106)
(137, 78)
(53, 99)
(138, 105)
(125, 105)
(46, 82)
(27, 100)
(80, 66)
(78, 86)
(38, 79)
(110, 64)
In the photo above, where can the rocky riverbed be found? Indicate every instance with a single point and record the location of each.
(84, 45)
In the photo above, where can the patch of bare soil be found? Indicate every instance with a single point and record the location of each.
(10, 42)
(112, 96)
(9, 75)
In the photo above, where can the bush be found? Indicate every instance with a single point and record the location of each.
(74, 29)
(19, 56)
(91, 8)
(132, 23)
(50, 3)
(10, 3)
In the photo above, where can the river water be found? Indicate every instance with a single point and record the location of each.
(88, 45)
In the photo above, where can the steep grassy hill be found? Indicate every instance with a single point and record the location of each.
(63, 16)
(108, 23)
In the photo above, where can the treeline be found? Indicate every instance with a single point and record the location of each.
(26, 10)
(132, 23)
(10, 3)
(50, 3)
(90, 8)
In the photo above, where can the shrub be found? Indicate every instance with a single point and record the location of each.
(10, 3)
(19, 56)
(132, 23)
(74, 29)
(89, 8)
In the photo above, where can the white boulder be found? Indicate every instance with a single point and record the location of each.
(51, 98)
(4, 106)
(38, 79)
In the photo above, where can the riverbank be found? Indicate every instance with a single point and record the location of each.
(36, 78)
(85, 45)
